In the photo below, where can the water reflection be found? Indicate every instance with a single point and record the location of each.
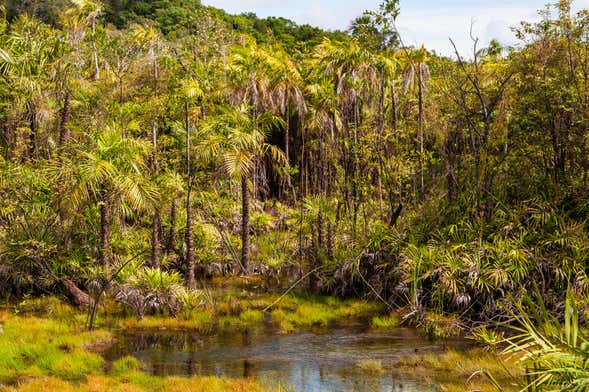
(305, 361)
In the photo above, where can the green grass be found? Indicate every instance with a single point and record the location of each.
(32, 347)
(385, 322)
(125, 364)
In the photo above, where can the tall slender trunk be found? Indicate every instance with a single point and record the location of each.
(33, 135)
(301, 204)
(330, 242)
(287, 128)
(96, 75)
(155, 239)
(245, 217)
(355, 190)
(190, 280)
(157, 215)
(65, 119)
(379, 146)
(105, 221)
(171, 243)
(421, 135)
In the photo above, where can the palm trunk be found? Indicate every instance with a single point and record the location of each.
(171, 245)
(286, 129)
(65, 119)
(157, 215)
(245, 216)
(105, 221)
(381, 120)
(330, 242)
(190, 280)
(421, 136)
(33, 136)
(155, 238)
(96, 75)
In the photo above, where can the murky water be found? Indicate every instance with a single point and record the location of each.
(304, 361)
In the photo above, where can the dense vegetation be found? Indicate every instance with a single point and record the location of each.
(143, 140)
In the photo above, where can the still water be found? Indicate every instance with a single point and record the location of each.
(304, 361)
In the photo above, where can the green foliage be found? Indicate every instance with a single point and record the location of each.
(554, 352)
(491, 338)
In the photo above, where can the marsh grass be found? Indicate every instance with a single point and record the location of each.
(33, 347)
(52, 354)
(370, 366)
(385, 322)
(476, 369)
(236, 310)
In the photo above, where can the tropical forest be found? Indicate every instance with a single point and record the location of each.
(197, 200)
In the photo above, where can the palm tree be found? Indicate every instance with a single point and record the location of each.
(251, 85)
(191, 92)
(351, 69)
(238, 139)
(31, 50)
(152, 38)
(416, 76)
(286, 84)
(89, 11)
(110, 171)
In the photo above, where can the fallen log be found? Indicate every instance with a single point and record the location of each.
(78, 297)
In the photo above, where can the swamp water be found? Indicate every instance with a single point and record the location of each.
(328, 360)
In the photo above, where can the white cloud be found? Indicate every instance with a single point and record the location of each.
(430, 22)
(434, 27)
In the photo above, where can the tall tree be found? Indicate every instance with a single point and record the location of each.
(239, 141)
(109, 170)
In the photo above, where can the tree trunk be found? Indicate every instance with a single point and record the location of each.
(421, 135)
(190, 280)
(245, 217)
(65, 119)
(171, 245)
(330, 242)
(33, 137)
(78, 297)
(157, 215)
(286, 129)
(105, 220)
(96, 75)
(155, 239)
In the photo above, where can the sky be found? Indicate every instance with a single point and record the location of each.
(428, 22)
